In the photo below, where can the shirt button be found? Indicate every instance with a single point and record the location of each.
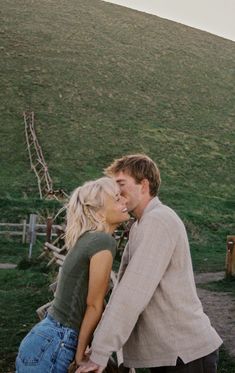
(62, 344)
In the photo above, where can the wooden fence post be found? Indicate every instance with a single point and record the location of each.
(24, 231)
(32, 232)
(230, 256)
(49, 228)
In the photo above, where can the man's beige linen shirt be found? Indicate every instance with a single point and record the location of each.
(154, 312)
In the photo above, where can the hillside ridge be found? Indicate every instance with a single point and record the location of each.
(103, 81)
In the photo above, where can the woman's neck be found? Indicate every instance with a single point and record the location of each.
(110, 228)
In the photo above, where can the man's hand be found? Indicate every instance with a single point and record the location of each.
(89, 366)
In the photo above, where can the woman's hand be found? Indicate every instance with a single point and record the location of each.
(72, 368)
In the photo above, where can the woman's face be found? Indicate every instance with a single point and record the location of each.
(115, 210)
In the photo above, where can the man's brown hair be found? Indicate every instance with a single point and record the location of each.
(140, 167)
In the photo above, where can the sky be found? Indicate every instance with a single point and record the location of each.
(214, 16)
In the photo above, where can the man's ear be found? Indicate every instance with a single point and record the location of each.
(145, 186)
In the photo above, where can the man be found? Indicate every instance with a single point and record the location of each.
(154, 312)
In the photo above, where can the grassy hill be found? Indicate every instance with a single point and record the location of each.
(103, 81)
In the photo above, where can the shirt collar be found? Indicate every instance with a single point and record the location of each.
(154, 202)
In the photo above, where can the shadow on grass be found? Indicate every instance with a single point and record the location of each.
(226, 285)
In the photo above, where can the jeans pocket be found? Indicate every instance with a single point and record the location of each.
(65, 357)
(33, 347)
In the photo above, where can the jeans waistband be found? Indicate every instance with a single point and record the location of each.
(49, 317)
(59, 324)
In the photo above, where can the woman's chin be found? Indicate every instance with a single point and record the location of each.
(126, 217)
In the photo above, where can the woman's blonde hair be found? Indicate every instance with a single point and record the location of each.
(83, 206)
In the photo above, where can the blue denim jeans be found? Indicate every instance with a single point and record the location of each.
(48, 348)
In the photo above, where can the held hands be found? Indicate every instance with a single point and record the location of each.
(89, 366)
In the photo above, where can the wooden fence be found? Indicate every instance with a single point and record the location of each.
(29, 231)
(230, 257)
(38, 163)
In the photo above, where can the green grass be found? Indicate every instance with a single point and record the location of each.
(226, 363)
(15, 210)
(104, 81)
(22, 291)
(225, 285)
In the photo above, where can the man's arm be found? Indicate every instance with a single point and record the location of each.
(133, 293)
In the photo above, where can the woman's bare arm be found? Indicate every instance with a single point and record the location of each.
(99, 274)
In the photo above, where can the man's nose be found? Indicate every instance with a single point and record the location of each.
(124, 200)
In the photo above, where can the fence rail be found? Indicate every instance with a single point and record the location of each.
(27, 231)
(20, 225)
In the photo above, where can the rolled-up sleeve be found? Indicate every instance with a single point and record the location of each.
(154, 248)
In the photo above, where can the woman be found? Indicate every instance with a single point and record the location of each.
(93, 213)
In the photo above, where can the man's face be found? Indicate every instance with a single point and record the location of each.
(129, 189)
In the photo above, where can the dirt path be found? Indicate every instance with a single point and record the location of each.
(220, 307)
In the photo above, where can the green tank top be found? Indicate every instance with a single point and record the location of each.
(69, 304)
